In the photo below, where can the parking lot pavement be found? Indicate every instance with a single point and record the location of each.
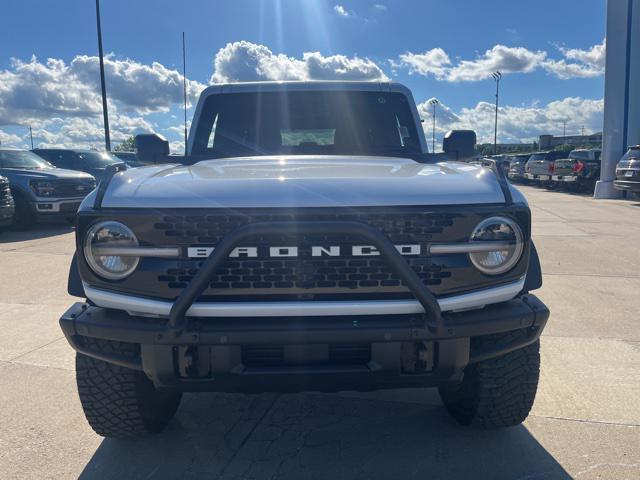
(585, 422)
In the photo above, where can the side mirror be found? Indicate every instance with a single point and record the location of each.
(459, 144)
(152, 148)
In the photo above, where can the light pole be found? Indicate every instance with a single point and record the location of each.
(105, 113)
(31, 136)
(433, 102)
(496, 76)
(564, 132)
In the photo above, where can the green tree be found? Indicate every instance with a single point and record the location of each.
(128, 145)
(564, 148)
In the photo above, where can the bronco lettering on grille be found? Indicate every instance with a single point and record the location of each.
(293, 251)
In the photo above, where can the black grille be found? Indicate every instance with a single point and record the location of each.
(349, 273)
(5, 193)
(305, 272)
(72, 188)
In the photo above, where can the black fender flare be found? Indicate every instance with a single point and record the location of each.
(533, 280)
(74, 284)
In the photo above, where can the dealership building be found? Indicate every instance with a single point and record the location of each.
(547, 142)
(621, 90)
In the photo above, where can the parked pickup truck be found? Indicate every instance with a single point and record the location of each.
(93, 162)
(580, 170)
(516, 166)
(41, 191)
(309, 242)
(540, 166)
(628, 171)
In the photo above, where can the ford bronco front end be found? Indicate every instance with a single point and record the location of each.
(310, 243)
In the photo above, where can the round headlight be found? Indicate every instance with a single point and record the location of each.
(100, 247)
(506, 235)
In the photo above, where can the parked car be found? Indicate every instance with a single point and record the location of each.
(581, 170)
(540, 166)
(7, 205)
(93, 162)
(516, 166)
(628, 171)
(311, 244)
(40, 190)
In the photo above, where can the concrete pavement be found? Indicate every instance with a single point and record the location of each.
(585, 422)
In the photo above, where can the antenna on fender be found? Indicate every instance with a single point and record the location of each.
(184, 88)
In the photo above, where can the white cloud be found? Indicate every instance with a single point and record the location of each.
(516, 123)
(136, 86)
(32, 90)
(436, 62)
(594, 56)
(35, 90)
(380, 7)
(246, 61)
(500, 57)
(9, 139)
(578, 62)
(340, 10)
(62, 101)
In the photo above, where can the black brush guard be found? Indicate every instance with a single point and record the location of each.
(200, 282)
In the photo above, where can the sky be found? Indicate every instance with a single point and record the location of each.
(551, 54)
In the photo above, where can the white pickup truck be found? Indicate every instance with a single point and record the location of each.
(308, 241)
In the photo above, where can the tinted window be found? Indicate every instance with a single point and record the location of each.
(22, 159)
(97, 159)
(60, 158)
(632, 153)
(299, 123)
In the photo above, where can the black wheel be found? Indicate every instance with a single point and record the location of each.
(119, 402)
(23, 217)
(498, 392)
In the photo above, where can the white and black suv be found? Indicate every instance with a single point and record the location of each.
(307, 242)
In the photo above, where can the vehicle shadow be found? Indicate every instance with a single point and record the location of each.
(35, 232)
(322, 436)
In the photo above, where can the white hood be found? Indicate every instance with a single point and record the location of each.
(303, 181)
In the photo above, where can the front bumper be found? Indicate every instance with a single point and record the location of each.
(627, 185)
(56, 206)
(6, 214)
(212, 354)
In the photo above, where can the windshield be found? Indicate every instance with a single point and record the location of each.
(98, 159)
(22, 159)
(632, 154)
(538, 156)
(303, 123)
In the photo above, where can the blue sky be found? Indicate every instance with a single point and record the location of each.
(551, 53)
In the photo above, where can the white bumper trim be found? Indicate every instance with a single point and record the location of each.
(143, 306)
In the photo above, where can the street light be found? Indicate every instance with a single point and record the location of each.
(496, 76)
(433, 102)
(31, 135)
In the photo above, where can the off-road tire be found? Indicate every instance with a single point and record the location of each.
(120, 402)
(23, 217)
(498, 392)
